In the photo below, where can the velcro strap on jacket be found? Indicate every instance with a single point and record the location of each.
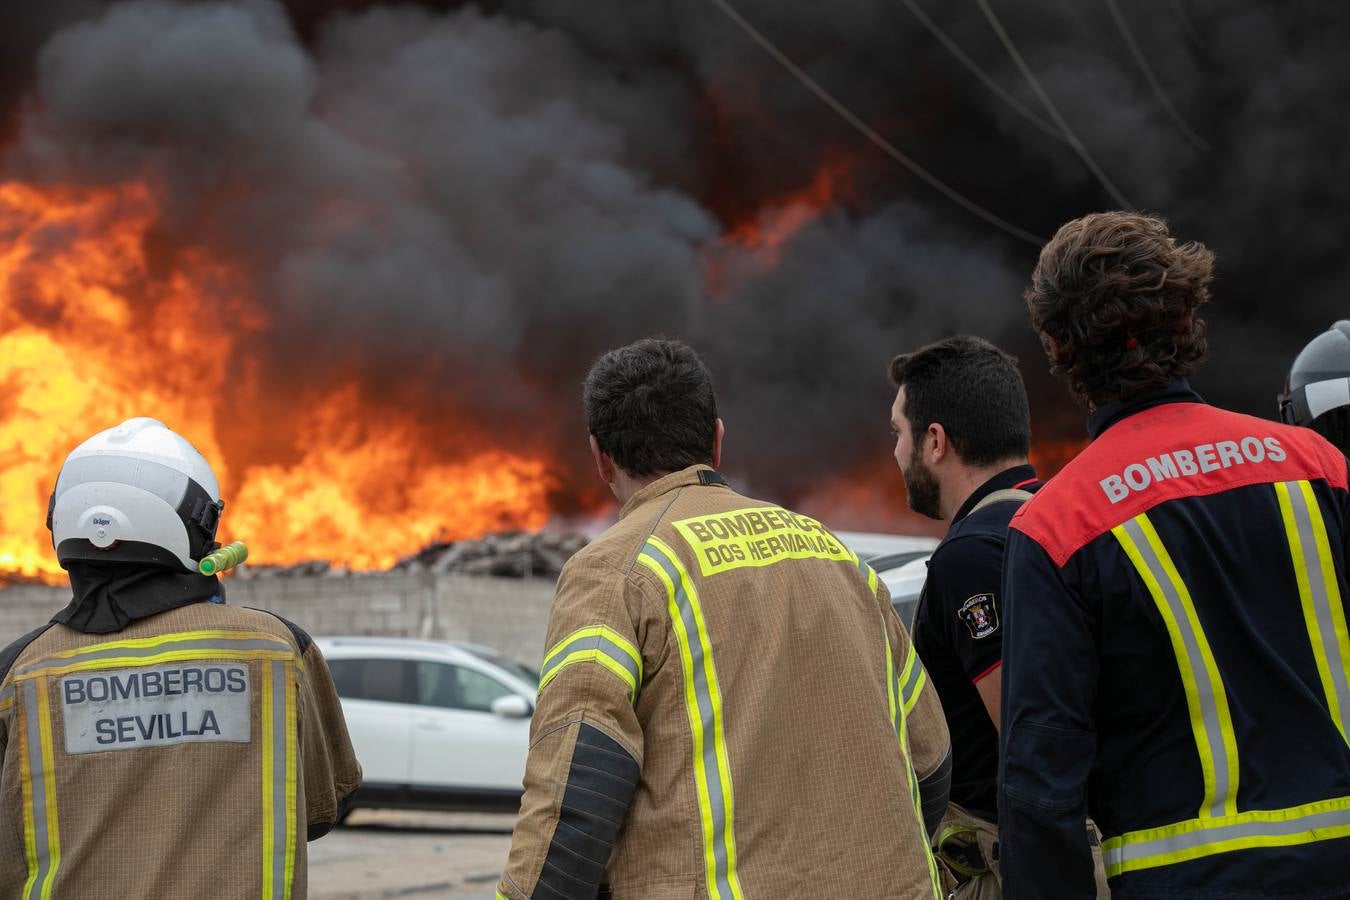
(1006, 496)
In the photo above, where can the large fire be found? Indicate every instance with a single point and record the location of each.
(96, 327)
(92, 331)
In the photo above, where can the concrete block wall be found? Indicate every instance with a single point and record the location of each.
(508, 614)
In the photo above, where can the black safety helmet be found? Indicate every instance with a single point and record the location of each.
(1317, 391)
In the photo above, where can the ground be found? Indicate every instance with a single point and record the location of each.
(382, 853)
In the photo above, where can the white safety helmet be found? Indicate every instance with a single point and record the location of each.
(1319, 380)
(135, 493)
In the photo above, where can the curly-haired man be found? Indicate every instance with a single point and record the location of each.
(1176, 650)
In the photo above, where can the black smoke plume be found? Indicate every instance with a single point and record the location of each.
(458, 206)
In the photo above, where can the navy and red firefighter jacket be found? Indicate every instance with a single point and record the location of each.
(1175, 662)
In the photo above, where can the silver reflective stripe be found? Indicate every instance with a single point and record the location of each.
(910, 686)
(281, 811)
(620, 655)
(868, 573)
(38, 786)
(6, 694)
(1321, 601)
(1222, 834)
(1209, 710)
(705, 711)
(1324, 396)
(156, 649)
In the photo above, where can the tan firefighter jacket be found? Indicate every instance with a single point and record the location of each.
(729, 708)
(187, 755)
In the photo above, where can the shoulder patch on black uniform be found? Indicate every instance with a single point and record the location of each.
(980, 615)
(302, 638)
(11, 653)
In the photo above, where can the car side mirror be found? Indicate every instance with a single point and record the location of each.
(512, 706)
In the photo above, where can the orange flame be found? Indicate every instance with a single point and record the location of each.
(782, 217)
(762, 237)
(93, 332)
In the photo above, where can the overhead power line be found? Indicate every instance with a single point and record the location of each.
(1050, 108)
(1153, 82)
(871, 134)
(985, 78)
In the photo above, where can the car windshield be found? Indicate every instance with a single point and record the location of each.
(518, 669)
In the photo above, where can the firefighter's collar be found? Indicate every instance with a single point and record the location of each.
(700, 474)
(1178, 390)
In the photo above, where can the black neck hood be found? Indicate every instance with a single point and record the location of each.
(110, 596)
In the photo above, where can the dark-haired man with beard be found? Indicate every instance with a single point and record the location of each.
(1176, 645)
(962, 432)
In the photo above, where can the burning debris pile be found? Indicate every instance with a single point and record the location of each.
(510, 554)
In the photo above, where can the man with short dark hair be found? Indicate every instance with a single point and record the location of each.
(962, 431)
(1176, 653)
(728, 707)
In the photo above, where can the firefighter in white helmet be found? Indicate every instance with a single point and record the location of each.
(155, 742)
(1317, 392)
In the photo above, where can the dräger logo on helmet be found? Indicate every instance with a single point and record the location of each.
(1191, 462)
(100, 520)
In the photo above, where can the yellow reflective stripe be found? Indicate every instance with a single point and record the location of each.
(1320, 595)
(1197, 838)
(912, 680)
(501, 896)
(171, 638)
(703, 701)
(891, 682)
(599, 644)
(268, 787)
(913, 697)
(122, 662)
(600, 631)
(292, 752)
(29, 828)
(865, 569)
(695, 725)
(49, 783)
(1206, 699)
(1333, 589)
(898, 722)
(719, 734)
(37, 772)
(595, 656)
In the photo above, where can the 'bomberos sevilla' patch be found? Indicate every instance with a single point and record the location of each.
(129, 709)
(980, 615)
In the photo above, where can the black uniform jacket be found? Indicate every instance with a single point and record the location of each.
(959, 635)
(1175, 662)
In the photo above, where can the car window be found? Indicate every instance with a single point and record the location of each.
(455, 687)
(520, 670)
(385, 680)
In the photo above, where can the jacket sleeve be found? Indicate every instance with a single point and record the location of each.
(925, 728)
(963, 580)
(328, 762)
(585, 742)
(1050, 667)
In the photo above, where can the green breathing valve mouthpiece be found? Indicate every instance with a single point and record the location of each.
(226, 557)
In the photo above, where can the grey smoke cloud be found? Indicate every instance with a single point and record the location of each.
(459, 209)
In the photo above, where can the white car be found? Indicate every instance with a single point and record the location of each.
(435, 724)
(900, 561)
(904, 574)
